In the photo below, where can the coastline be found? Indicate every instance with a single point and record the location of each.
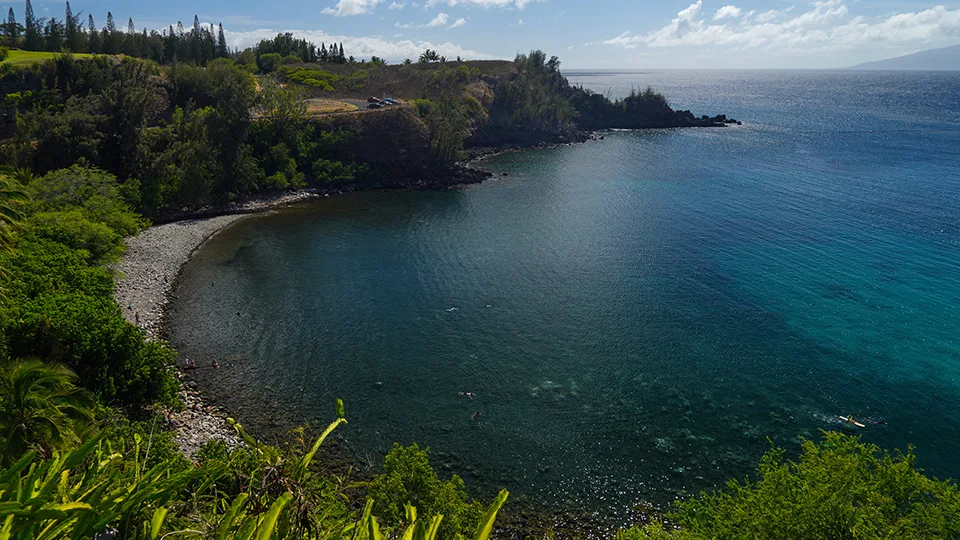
(145, 278)
(149, 268)
(148, 271)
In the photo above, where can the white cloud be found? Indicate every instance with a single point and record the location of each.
(440, 20)
(518, 4)
(727, 12)
(397, 5)
(345, 8)
(393, 50)
(825, 26)
(768, 16)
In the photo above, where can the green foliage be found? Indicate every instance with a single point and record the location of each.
(41, 408)
(4, 53)
(94, 194)
(449, 124)
(89, 490)
(16, 99)
(100, 242)
(409, 478)
(88, 333)
(286, 45)
(60, 303)
(839, 488)
(110, 485)
(326, 171)
(534, 98)
(640, 108)
(269, 62)
(428, 56)
(284, 107)
(12, 198)
(316, 77)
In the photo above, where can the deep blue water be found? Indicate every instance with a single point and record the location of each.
(637, 315)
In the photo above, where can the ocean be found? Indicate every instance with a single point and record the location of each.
(636, 318)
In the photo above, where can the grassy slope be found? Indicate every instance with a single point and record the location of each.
(27, 57)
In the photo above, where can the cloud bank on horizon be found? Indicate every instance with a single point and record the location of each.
(745, 33)
(826, 26)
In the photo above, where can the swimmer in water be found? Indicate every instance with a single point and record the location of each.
(848, 420)
(476, 415)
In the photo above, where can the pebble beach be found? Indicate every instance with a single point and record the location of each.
(144, 281)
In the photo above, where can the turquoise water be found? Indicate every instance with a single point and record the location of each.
(635, 316)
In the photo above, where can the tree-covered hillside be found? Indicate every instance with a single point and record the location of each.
(164, 124)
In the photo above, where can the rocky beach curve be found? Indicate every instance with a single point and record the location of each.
(149, 269)
(145, 278)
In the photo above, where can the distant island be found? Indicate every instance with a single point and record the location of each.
(944, 58)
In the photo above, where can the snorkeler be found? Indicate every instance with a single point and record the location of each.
(848, 420)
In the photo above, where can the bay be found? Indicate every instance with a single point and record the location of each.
(637, 317)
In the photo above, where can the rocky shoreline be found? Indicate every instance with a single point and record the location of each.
(144, 282)
(149, 269)
(145, 279)
(146, 274)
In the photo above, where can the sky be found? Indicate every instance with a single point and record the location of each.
(585, 34)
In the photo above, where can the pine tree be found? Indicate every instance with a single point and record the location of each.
(210, 39)
(54, 35)
(71, 23)
(28, 16)
(170, 45)
(323, 51)
(222, 51)
(12, 30)
(131, 29)
(196, 26)
(93, 37)
(342, 58)
(32, 41)
(108, 40)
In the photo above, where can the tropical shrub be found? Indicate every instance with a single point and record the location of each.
(408, 478)
(111, 487)
(839, 488)
(12, 199)
(41, 408)
(94, 192)
(269, 62)
(59, 302)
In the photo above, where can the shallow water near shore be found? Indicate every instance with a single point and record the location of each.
(634, 316)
